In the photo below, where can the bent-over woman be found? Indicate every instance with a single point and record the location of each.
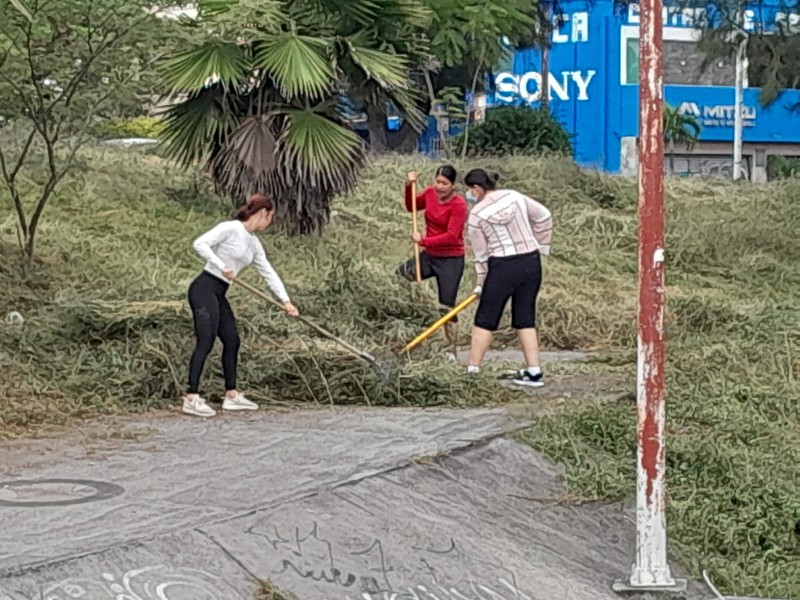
(227, 248)
(509, 233)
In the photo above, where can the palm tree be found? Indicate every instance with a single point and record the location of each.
(260, 96)
(679, 128)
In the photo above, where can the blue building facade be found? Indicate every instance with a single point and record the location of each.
(593, 81)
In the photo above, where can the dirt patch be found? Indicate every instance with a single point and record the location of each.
(92, 439)
(562, 392)
(516, 356)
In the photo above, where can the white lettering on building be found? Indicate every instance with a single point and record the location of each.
(528, 86)
(692, 17)
(571, 28)
(720, 115)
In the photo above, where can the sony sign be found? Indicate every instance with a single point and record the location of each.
(720, 115)
(528, 86)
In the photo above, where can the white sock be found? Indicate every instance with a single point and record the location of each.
(534, 370)
(473, 369)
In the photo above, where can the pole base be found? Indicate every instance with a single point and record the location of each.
(624, 585)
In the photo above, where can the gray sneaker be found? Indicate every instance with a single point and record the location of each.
(197, 407)
(238, 402)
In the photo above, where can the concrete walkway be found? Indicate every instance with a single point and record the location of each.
(324, 505)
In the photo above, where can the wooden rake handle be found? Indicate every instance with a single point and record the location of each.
(418, 270)
(261, 294)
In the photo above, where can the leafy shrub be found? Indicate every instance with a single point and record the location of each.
(783, 167)
(139, 127)
(518, 130)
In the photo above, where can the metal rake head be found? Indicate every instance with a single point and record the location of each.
(387, 366)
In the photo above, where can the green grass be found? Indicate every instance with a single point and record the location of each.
(107, 330)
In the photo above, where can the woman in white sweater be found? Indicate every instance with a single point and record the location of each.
(227, 249)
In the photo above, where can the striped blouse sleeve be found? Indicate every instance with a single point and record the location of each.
(541, 220)
(480, 247)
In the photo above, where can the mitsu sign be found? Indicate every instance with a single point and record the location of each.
(566, 85)
(720, 115)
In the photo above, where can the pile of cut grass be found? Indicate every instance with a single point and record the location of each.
(107, 330)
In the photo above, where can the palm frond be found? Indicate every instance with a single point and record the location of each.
(411, 12)
(409, 101)
(300, 65)
(213, 61)
(362, 12)
(319, 149)
(246, 157)
(389, 70)
(213, 8)
(301, 159)
(192, 127)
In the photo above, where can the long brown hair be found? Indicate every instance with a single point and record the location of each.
(255, 203)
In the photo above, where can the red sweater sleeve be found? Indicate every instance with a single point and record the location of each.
(455, 226)
(420, 198)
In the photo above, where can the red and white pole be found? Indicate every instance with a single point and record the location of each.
(651, 570)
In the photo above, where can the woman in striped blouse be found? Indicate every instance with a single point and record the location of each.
(509, 232)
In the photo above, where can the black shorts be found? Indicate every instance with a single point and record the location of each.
(517, 277)
(447, 271)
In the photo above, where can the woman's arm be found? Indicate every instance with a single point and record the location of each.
(420, 198)
(480, 248)
(541, 220)
(203, 245)
(271, 278)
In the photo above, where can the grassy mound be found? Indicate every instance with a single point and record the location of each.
(106, 329)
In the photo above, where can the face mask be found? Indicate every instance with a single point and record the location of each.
(471, 197)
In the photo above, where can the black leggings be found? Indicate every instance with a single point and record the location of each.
(213, 318)
(447, 271)
(517, 277)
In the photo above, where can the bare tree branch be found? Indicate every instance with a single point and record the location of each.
(72, 86)
(29, 56)
(12, 188)
(23, 154)
(56, 174)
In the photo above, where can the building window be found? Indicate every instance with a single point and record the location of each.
(632, 61)
(699, 165)
(683, 60)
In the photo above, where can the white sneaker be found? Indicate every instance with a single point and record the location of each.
(238, 402)
(198, 407)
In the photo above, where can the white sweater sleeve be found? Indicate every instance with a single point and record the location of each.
(205, 243)
(269, 274)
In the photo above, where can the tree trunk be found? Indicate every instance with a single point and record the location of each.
(376, 125)
(382, 141)
(548, 21)
(404, 141)
(465, 143)
(545, 76)
(432, 97)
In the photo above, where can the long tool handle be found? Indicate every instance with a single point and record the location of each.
(365, 355)
(414, 222)
(444, 319)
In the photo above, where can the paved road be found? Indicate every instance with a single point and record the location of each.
(325, 505)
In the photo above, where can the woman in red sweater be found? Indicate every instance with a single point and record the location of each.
(442, 252)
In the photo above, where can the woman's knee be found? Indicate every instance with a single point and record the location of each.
(523, 313)
(204, 345)
(231, 340)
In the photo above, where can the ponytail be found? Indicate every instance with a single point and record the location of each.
(255, 203)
